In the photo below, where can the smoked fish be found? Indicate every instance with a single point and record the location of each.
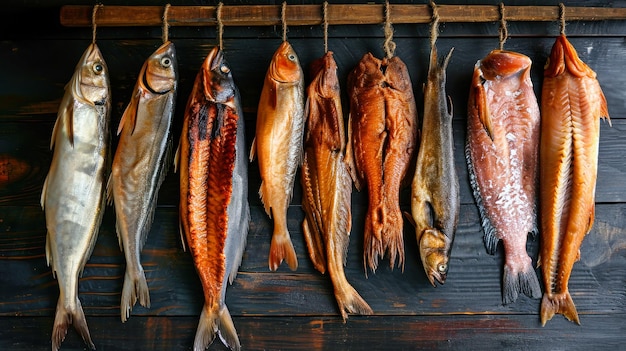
(382, 137)
(435, 200)
(572, 104)
(214, 206)
(140, 165)
(73, 195)
(327, 185)
(502, 153)
(278, 146)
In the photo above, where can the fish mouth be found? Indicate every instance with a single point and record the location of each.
(436, 276)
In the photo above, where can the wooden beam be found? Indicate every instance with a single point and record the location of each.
(305, 15)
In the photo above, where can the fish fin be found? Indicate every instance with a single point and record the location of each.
(135, 288)
(349, 157)
(604, 110)
(253, 150)
(129, 118)
(177, 158)
(490, 239)
(64, 318)
(110, 190)
(314, 246)
(181, 231)
(483, 113)
(281, 249)
(559, 303)
(409, 218)
(524, 281)
(207, 328)
(44, 190)
(227, 331)
(64, 115)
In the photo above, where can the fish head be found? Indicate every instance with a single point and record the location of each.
(503, 63)
(324, 70)
(285, 65)
(434, 248)
(161, 69)
(92, 85)
(218, 82)
(564, 57)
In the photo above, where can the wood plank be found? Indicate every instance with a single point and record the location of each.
(306, 15)
(473, 285)
(463, 332)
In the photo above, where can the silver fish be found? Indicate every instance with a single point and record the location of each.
(139, 166)
(73, 194)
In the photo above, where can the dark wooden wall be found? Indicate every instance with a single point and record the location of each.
(284, 309)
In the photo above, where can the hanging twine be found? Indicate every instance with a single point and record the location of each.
(325, 23)
(220, 25)
(166, 25)
(389, 45)
(504, 32)
(562, 17)
(283, 19)
(434, 26)
(93, 22)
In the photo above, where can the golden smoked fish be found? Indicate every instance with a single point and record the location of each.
(435, 200)
(140, 165)
(214, 207)
(382, 137)
(501, 153)
(278, 146)
(327, 185)
(572, 104)
(73, 195)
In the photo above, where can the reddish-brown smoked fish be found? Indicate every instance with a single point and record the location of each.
(571, 106)
(382, 139)
(501, 153)
(213, 193)
(326, 184)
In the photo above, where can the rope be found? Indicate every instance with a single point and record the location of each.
(283, 19)
(504, 32)
(434, 26)
(220, 25)
(389, 45)
(93, 22)
(562, 17)
(166, 25)
(325, 23)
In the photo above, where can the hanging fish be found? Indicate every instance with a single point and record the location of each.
(278, 146)
(435, 200)
(73, 194)
(501, 153)
(140, 165)
(327, 184)
(214, 207)
(382, 136)
(572, 104)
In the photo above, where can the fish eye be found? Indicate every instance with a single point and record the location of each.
(97, 68)
(442, 268)
(224, 69)
(166, 61)
(291, 57)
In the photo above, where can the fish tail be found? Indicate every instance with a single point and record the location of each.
(393, 239)
(561, 303)
(281, 249)
(65, 316)
(350, 301)
(515, 281)
(135, 288)
(214, 320)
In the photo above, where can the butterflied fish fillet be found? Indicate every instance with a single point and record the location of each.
(572, 104)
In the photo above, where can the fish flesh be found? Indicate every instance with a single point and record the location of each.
(382, 137)
(572, 104)
(327, 185)
(214, 206)
(435, 200)
(73, 195)
(502, 153)
(278, 146)
(140, 165)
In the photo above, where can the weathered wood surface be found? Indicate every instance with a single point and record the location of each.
(284, 309)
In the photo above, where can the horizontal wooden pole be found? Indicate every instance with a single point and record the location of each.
(304, 15)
